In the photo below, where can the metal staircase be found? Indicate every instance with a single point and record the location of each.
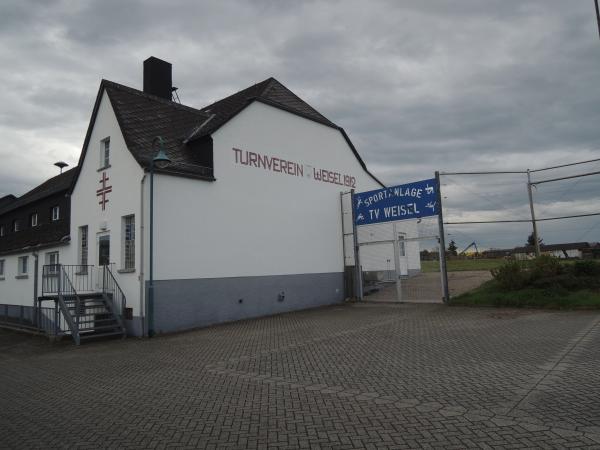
(88, 301)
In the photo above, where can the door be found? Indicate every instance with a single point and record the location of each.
(103, 258)
(104, 250)
(402, 255)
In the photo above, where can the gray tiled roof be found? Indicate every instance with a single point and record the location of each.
(6, 200)
(143, 116)
(269, 91)
(49, 187)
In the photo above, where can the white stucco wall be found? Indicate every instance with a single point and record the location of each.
(16, 290)
(125, 177)
(253, 221)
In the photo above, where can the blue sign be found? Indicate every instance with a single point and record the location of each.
(407, 201)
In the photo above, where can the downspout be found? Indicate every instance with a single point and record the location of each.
(35, 284)
(142, 240)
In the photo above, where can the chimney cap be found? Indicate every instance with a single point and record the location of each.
(158, 77)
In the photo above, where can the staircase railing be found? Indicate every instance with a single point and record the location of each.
(83, 278)
(56, 281)
(70, 285)
(66, 289)
(33, 319)
(114, 294)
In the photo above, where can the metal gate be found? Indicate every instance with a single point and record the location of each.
(394, 260)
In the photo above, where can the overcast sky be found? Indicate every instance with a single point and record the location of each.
(418, 85)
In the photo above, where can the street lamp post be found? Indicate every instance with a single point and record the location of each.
(160, 160)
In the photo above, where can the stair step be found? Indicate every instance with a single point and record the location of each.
(87, 300)
(104, 327)
(98, 335)
(112, 319)
(83, 305)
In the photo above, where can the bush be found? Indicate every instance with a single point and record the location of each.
(587, 268)
(560, 282)
(549, 274)
(545, 266)
(511, 275)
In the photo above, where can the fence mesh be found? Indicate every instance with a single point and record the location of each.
(400, 261)
(501, 201)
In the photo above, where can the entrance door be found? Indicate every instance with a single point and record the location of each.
(103, 258)
(402, 255)
(104, 250)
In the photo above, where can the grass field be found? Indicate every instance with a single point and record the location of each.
(489, 294)
(460, 265)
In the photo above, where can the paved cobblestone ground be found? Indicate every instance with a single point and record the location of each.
(353, 376)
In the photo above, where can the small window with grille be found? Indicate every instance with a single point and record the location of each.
(129, 242)
(105, 153)
(83, 245)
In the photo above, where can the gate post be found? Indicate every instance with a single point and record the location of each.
(442, 240)
(358, 285)
(397, 270)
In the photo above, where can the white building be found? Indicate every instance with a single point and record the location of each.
(247, 217)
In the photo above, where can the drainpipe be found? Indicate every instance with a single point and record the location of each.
(35, 284)
(142, 290)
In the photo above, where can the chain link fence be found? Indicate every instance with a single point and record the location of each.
(489, 218)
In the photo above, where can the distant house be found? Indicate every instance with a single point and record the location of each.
(497, 253)
(572, 250)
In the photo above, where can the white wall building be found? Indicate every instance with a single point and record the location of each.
(247, 216)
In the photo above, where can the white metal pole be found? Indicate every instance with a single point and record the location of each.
(397, 264)
(358, 286)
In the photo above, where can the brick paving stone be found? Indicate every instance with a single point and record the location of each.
(351, 376)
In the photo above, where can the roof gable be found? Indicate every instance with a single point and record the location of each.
(143, 116)
(269, 91)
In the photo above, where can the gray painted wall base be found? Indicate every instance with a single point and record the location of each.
(193, 303)
(134, 326)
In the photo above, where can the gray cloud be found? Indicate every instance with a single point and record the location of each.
(419, 86)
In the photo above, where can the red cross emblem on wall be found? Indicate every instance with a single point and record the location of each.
(103, 191)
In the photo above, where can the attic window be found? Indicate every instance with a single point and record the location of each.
(33, 220)
(55, 213)
(16, 225)
(1, 230)
(105, 153)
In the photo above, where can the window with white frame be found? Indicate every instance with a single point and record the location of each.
(52, 262)
(105, 153)
(402, 244)
(23, 263)
(16, 225)
(1, 269)
(33, 220)
(1, 230)
(55, 213)
(83, 245)
(129, 242)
